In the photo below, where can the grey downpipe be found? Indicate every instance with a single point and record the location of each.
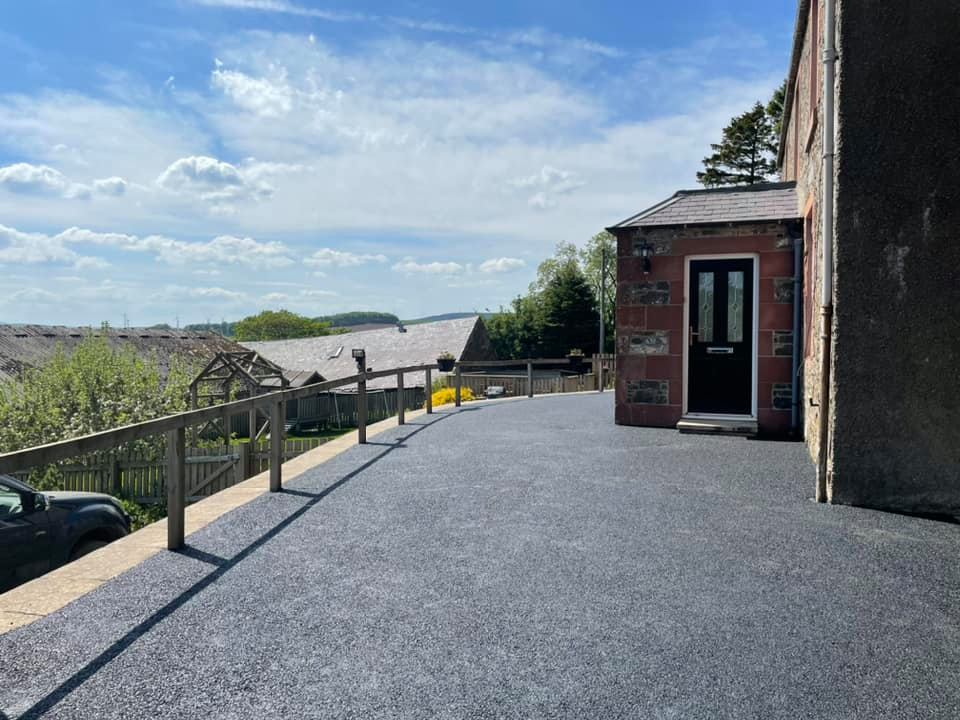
(826, 296)
(797, 334)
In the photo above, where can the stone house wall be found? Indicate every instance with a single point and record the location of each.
(650, 331)
(803, 163)
(894, 442)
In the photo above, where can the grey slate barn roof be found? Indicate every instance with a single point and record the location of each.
(31, 346)
(465, 339)
(754, 203)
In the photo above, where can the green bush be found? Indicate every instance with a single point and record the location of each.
(143, 515)
(96, 387)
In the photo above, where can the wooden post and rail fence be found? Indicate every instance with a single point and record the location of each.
(174, 428)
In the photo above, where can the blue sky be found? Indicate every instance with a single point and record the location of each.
(211, 158)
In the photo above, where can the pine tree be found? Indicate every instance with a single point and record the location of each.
(747, 153)
(775, 110)
(569, 313)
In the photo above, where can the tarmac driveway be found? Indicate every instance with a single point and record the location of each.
(520, 560)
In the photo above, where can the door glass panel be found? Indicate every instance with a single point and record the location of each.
(705, 303)
(735, 317)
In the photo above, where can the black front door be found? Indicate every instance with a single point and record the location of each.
(720, 370)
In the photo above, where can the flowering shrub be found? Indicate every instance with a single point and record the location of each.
(447, 396)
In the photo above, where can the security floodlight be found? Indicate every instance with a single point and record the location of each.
(360, 355)
(646, 251)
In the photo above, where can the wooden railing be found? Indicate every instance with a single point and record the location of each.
(274, 404)
(597, 362)
(175, 427)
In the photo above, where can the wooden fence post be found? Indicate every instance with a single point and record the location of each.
(252, 429)
(176, 487)
(244, 462)
(116, 486)
(225, 421)
(277, 420)
(529, 379)
(429, 389)
(459, 385)
(401, 409)
(362, 409)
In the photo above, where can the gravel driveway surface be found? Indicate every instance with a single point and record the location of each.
(520, 560)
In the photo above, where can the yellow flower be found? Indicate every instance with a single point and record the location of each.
(447, 396)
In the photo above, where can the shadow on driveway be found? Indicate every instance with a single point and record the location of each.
(222, 565)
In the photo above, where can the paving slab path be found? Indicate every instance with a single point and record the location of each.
(520, 560)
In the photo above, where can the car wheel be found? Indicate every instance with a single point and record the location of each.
(86, 547)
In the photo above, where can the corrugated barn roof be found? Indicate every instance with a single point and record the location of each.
(31, 346)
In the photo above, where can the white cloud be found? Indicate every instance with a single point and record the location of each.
(267, 98)
(179, 292)
(91, 263)
(541, 201)
(410, 266)
(551, 178)
(502, 265)
(224, 249)
(17, 246)
(39, 180)
(531, 37)
(32, 295)
(282, 6)
(549, 183)
(113, 186)
(211, 180)
(275, 297)
(318, 293)
(327, 257)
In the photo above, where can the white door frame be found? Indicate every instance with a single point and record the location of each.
(687, 291)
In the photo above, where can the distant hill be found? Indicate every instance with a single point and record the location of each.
(227, 329)
(359, 320)
(446, 316)
(350, 319)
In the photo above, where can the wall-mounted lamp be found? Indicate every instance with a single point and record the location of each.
(646, 251)
(360, 355)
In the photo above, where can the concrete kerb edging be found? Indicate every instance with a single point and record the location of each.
(57, 589)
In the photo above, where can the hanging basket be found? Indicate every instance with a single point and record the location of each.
(576, 361)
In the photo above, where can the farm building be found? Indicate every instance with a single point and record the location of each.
(464, 338)
(32, 346)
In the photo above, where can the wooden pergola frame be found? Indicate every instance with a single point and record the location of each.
(214, 385)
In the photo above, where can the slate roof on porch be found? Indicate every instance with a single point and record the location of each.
(754, 203)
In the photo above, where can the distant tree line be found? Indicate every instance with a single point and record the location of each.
(285, 325)
(560, 311)
(281, 325)
(349, 319)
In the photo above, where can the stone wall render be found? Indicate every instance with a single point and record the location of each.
(896, 442)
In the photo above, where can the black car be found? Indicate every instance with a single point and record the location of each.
(40, 531)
